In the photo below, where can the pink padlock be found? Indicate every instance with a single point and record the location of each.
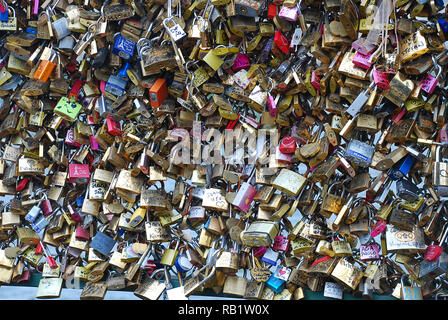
(281, 243)
(380, 79)
(362, 61)
(271, 106)
(241, 62)
(93, 143)
(315, 80)
(378, 228)
(70, 140)
(429, 83)
(36, 7)
(369, 251)
(78, 173)
(444, 134)
(259, 251)
(290, 14)
(282, 157)
(362, 46)
(244, 196)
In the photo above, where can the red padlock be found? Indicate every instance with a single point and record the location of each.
(82, 234)
(75, 90)
(281, 41)
(26, 275)
(315, 80)
(380, 79)
(323, 259)
(73, 214)
(433, 251)
(39, 249)
(113, 126)
(150, 266)
(288, 145)
(272, 11)
(46, 207)
(51, 262)
(259, 251)
(22, 184)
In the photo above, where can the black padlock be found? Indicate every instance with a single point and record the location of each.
(407, 190)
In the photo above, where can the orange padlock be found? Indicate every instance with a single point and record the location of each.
(158, 92)
(45, 69)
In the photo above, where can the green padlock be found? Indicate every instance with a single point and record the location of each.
(67, 109)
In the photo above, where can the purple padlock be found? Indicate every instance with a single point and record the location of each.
(241, 62)
(93, 143)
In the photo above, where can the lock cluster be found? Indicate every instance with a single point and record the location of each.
(248, 148)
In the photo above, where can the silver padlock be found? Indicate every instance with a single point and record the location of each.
(66, 44)
(60, 28)
(333, 290)
(360, 153)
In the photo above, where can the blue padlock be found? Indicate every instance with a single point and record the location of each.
(275, 284)
(102, 243)
(400, 171)
(443, 24)
(270, 256)
(123, 47)
(40, 224)
(440, 3)
(80, 201)
(4, 15)
(182, 263)
(115, 85)
(123, 71)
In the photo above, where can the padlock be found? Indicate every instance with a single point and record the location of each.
(410, 292)
(158, 93)
(333, 203)
(123, 47)
(429, 83)
(380, 79)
